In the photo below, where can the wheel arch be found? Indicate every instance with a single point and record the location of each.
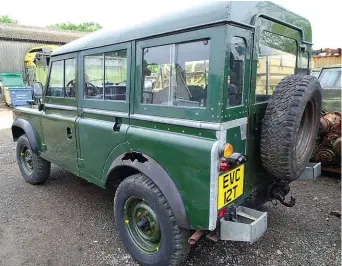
(20, 127)
(135, 162)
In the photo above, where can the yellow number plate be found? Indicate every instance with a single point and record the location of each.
(230, 186)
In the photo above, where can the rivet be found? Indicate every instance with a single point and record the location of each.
(168, 129)
(196, 114)
(200, 134)
(212, 109)
(183, 131)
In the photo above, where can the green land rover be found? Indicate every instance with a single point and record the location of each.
(197, 118)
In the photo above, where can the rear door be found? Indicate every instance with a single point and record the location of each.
(104, 106)
(274, 57)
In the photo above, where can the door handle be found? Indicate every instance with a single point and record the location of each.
(69, 133)
(117, 125)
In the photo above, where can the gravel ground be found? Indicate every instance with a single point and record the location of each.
(68, 221)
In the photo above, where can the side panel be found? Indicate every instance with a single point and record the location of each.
(186, 158)
(60, 137)
(97, 140)
(33, 117)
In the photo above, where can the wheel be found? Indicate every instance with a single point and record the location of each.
(33, 168)
(147, 225)
(290, 126)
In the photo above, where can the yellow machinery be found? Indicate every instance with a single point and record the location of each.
(37, 63)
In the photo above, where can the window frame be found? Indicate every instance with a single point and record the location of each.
(175, 48)
(246, 65)
(102, 104)
(216, 35)
(70, 101)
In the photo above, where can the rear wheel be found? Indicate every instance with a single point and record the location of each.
(34, 169)
(147, 225)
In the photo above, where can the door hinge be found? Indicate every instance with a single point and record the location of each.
(80, 112)
(80, 163)
(44, 148)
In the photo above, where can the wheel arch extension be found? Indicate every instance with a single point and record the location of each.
(135, 162)
(21, 126)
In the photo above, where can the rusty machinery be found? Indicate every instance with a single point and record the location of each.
(328, 145)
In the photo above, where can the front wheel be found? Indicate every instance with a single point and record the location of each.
(33, 168)
(147, 225)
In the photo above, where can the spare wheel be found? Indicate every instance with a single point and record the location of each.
(290, 126)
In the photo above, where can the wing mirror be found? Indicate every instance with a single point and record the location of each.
(37, 90)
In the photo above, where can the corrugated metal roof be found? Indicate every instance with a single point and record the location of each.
(37, 34)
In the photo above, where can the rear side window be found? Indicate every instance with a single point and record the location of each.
(176, 74)
(62, 82)
(105, 76)
(237, 72)
(277, 59)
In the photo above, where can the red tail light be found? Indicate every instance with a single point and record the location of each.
(224, 165)
(222, 213)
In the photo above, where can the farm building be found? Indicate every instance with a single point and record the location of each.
(17, 40)
(326, 57)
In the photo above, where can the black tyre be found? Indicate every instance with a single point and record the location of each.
(147, 225)
(290, 126)
(33, 168)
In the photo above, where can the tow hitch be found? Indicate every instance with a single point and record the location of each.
(279, 192)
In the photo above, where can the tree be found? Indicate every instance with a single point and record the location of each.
(7, 19)
(85, 26)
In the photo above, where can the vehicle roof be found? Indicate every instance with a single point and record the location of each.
(202, 14)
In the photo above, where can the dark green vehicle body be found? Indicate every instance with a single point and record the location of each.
(104, 141)
(330, 79)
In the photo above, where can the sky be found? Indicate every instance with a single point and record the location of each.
(325, 16)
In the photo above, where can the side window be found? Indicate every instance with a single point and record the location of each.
(62, 82)
(303, 67)
(277, 59)
(237, 72)
(93, 76)
(176, 74)
(115, 75)
(70, 78)
(105, 76)
(56, 82)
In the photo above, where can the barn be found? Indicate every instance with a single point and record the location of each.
(17, 40)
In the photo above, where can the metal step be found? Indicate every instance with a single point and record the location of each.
(249, 225)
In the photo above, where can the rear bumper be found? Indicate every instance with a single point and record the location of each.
(248, 225)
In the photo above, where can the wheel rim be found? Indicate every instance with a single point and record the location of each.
(26, 159)
(305, 130)
(142, 225)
